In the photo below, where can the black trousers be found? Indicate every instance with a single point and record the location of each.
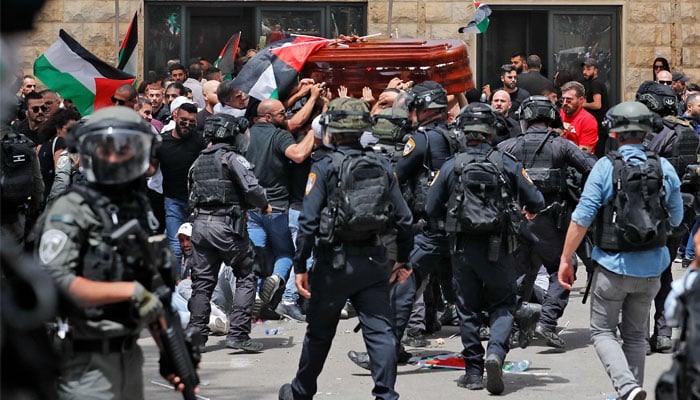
(214, 242)
(365, 281)
(483, 285)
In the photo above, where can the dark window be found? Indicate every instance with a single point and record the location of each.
(183, 31)
(563, 37)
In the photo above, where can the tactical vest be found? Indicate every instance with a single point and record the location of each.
(418, 188)
(537, 158)
(210, 186)
(684, 149)
(110, 262)
(636, 218)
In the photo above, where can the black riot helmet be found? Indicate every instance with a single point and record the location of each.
(225, 128)
(427, 95)
(477, 122)
(115, 145)
(631, 119)
(658, 98)
(537, 109)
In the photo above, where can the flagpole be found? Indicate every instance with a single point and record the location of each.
(388, 17)
(116, 29)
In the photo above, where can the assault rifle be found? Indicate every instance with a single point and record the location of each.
(179, 354)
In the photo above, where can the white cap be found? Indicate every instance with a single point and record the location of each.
(316, 126)
(185, 229)
(178, 102)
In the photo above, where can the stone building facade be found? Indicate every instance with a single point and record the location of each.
(648, 28)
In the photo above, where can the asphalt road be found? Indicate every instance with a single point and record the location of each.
(572, 374)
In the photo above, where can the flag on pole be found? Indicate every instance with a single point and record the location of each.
(129, 50)
(227, 58)
(272, 71)
(76, 74)
(480, 21)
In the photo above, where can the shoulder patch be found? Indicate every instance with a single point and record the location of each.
(310, 182)
(437, 174)
(525, 175)
(243, 161)
(408, 147)
(62, 162)
(52, 242)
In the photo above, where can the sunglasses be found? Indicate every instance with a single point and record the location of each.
(187, 122)
(35, 109)
(120, 102)
(658, 66)
(668, 83)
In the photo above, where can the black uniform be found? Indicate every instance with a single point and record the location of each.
(546, 157)
(222, 188)
(364, 280)
(425, 152)
(482, 285)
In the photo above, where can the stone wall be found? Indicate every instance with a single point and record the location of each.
(650, 28)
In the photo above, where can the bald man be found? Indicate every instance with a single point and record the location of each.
(209, 89)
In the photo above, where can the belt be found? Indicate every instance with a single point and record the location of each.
(104, 346)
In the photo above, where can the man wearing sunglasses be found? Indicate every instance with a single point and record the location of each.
(126, 96)
(179, 149)
(35, 110)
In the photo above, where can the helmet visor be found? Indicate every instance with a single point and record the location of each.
(115, 156)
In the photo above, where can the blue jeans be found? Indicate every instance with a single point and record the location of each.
(175, 215)
(291, 294)
(272, 231)
(690, 247)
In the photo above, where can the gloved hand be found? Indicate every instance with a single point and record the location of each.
(148, 306)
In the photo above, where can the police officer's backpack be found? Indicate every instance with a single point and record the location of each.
(480, 200)
(636, 218)
(16, 179)
(360, 205)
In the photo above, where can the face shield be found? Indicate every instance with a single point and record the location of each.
(115, 156)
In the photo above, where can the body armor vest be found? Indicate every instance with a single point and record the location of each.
(537, 157)
(210, 187)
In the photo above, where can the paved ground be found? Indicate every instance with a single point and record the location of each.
(574, 374)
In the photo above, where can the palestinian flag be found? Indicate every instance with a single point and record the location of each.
(480, 21)
(129, 50)
(271, 73)
(227, 58)
(69, 69)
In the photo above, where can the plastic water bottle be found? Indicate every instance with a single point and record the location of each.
(272, 331)
(517, 366)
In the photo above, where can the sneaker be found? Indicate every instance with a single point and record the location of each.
(635, 394)
(286, 392)
(450, 317)
(360, 358)
(471, 382)
(291, 311)
(270, 287)
(685, 263)
(249, 345)
(494, 374)
(553, 340)
(661, 344)
(415, 339)
(348, 311)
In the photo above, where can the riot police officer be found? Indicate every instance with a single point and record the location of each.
(546, 156)
(425, 151)
(675, 140)
(101, 357)
(222, 187)
(350, 261)
(476, 193)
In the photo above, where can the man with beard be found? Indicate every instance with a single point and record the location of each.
(579, 125)
(180, 148)
(509, 78)
(35, 110)
(270, 151)
(596, 100)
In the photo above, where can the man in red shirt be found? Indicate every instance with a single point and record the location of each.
(580, 126)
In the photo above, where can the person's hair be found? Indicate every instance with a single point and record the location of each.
(57, 120)
(176, 66)
(692, 87)
(195, 71)
(28, 77)
(141, 101)
(31, 96)
(45, 91)
(561, 77)
(664, 62)
(225, 91)
(189, 108)
(179, 86)
(518, 54)
(473, 95)
(693, 98)
(534, 61)
(212, 72)
(575, 86)
(506, 68)
(129, 89)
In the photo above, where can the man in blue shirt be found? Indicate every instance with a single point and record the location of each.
(628, 280)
